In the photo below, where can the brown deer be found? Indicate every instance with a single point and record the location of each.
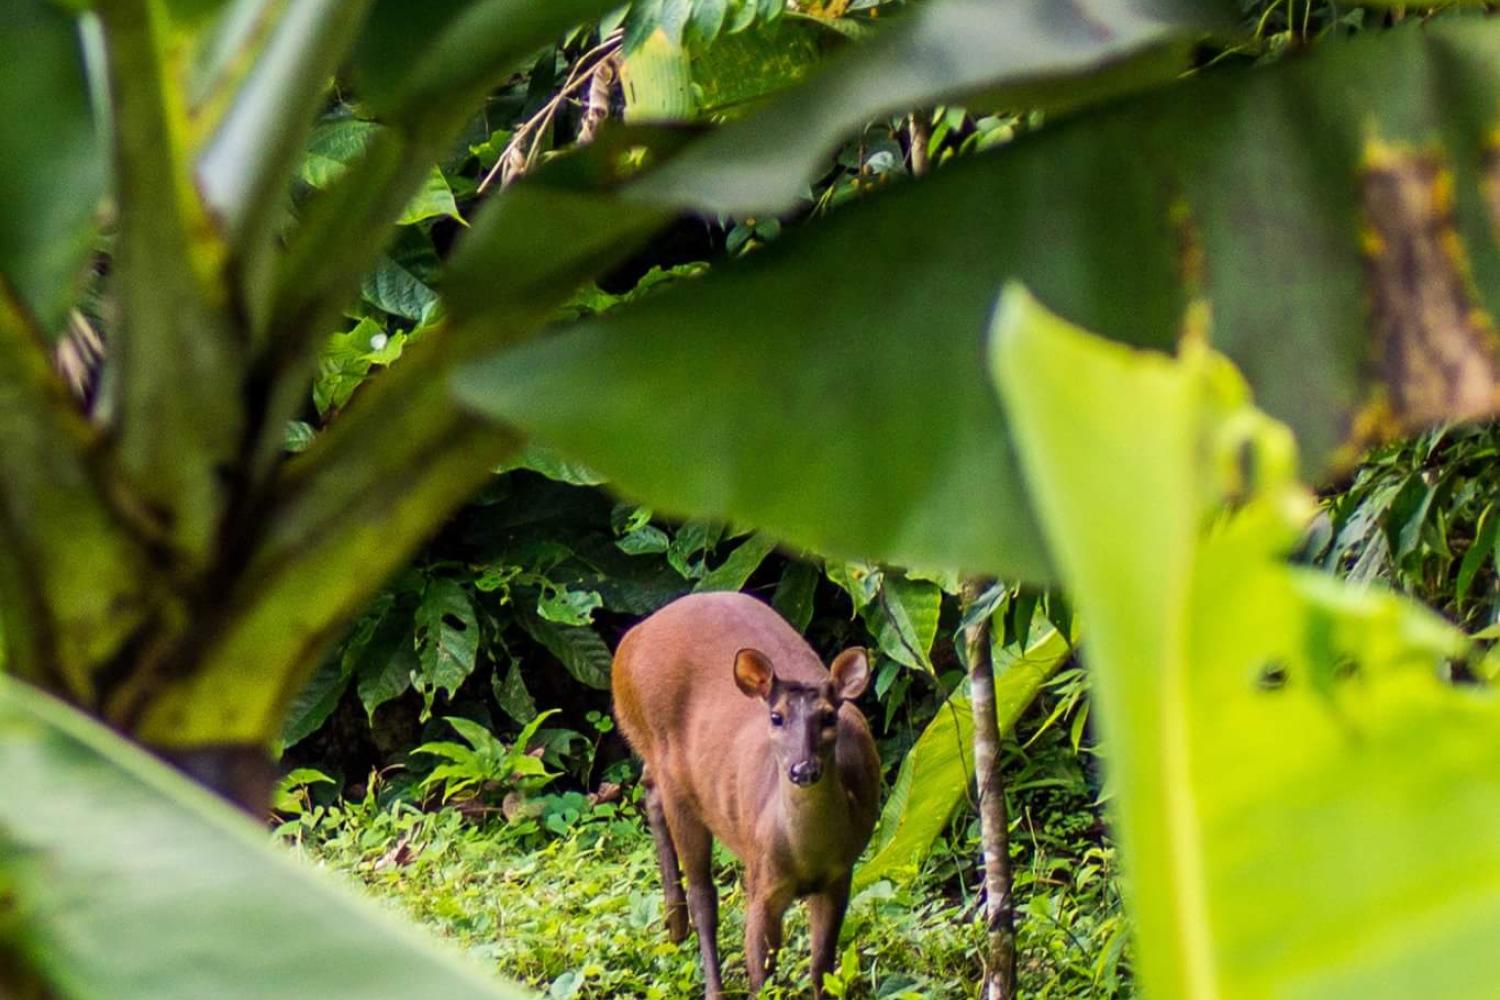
(747, 738)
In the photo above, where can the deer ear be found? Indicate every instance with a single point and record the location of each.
(753, 673)
(851, 672)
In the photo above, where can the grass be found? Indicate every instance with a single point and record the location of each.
(574, 910)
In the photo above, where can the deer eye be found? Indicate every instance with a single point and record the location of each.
(827, 719)
(777, 720)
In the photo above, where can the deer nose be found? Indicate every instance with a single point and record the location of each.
(805, 772)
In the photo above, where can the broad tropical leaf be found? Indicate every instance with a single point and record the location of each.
(1296, 788)
(1019, 54)
(1230, 206)
(181, 899)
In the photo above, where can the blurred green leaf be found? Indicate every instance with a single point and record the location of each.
(1211, 657)
(242, 172)
(416, 59)
(939, 51)
(183, 899)
(53, 172)
(880, 443)
(338, 144)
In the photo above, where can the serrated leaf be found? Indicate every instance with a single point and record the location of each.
(393, 288)
(648, 539)
(690, 546)
(346, 360)
(382, 669)
(448, 632)
(335, 145)
(539, 458)
(434, 200)
(568, 607)
(860, 581)
(299, 436)
(511, 694)
(316, 701)
(580, 650)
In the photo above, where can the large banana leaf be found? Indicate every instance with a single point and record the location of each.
(1304, 806)
(830, 389)
(123, 881)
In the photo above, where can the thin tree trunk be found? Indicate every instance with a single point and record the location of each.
(919, 134)
(999, 910)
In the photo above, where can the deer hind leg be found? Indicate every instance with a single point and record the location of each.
(666, 859)
(695, 849)
(825, 915)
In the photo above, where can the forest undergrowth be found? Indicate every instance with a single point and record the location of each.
(564, 895)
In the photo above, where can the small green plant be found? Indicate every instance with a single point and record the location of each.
(486, 765)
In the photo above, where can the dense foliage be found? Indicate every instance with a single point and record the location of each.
(439, 343)
(492, 886)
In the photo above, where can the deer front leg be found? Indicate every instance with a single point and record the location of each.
(766, 905)
(825, 915)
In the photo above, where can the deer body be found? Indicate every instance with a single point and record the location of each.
(746, 737)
